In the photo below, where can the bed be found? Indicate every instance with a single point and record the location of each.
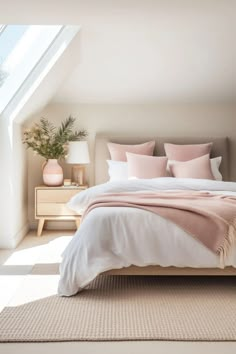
(75, 262)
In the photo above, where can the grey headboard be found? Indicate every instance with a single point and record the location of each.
(220, 148)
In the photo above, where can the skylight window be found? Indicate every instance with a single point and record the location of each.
(21, 49)
(1, 28)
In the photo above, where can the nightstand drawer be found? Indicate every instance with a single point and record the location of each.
(53, 209)
(50, 204)
(56, 195)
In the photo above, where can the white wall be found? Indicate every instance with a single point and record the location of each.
(210, 120)
(13, 185)
(13, 157)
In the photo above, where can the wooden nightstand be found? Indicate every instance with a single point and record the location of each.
(50, 204)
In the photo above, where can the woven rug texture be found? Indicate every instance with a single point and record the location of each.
(130, 308)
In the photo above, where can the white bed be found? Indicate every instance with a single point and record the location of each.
(122, 240)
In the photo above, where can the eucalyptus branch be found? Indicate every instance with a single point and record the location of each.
(51, 142)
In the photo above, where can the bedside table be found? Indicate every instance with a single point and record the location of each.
(50, 204)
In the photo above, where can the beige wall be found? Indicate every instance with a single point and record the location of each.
(208, 120)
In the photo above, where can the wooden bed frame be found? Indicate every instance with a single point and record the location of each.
(220, 148)
(162, 271)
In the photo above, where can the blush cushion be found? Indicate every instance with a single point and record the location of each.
(118, 151)
(199, 168)
(186, 152)
(141, 166)
(215, 164)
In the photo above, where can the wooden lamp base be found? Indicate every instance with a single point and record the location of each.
(78, 175)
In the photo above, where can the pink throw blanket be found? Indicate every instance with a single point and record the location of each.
(210, 218)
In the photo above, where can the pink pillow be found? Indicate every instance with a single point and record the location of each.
(186, 152)
(118, 151)
(196, 168)
(141, 166)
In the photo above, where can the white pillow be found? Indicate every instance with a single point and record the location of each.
(117, 170)
(215, 164)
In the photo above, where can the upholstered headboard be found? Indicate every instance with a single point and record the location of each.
(220, 148)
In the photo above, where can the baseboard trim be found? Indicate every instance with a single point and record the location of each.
(13, 240)
(21, 234)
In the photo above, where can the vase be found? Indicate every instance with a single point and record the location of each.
(52, 173)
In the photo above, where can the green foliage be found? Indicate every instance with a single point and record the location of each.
(51, 142)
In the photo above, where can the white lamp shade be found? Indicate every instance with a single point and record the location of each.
(78, 153)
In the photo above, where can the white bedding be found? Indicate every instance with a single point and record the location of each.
(111, 238)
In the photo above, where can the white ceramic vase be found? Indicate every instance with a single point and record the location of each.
(52, 173)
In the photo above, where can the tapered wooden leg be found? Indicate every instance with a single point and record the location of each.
(40, 226)
(77, 221)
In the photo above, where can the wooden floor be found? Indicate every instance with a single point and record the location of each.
(16, 265)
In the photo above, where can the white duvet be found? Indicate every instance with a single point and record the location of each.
(116, 237)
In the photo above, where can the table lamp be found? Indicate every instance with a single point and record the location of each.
(78, 155)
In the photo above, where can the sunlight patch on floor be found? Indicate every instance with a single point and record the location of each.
(30, 272)
(8, 286)
(26, 256)
(36, 250)
(35, 287)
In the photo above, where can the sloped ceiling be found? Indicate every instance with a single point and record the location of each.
(46, 90)
(143, 51)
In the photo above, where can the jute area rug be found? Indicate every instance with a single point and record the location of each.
(129, 308)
